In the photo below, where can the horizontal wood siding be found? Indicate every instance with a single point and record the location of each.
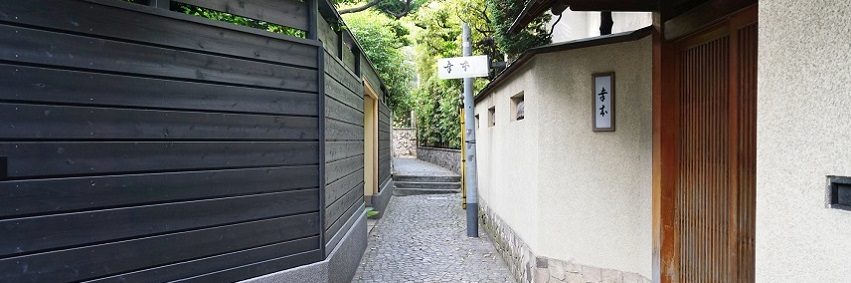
(344, 135)
(384, 144)
(33, 46)
(371, 77)
(145, 145)
(159, 27)
(330, 37)
(349, 57)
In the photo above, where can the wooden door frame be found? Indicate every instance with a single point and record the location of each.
(370, 141)
(666, 113)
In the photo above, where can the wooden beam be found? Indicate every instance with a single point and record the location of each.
(665, 154)
(614, 5)
(606, 23)
(702, 16)
(537, 7)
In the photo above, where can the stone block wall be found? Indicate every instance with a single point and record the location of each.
(447, 158)
(404, 142)
(526, 267)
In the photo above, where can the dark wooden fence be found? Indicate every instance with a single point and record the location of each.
(345, 70)
(344, 134)
(384, 144)
(141, 144)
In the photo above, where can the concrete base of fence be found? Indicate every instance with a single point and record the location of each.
(380, 200)
(338, 267)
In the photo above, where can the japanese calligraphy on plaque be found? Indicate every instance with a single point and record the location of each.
(604, 102)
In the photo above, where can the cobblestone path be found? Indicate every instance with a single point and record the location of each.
(422, 238)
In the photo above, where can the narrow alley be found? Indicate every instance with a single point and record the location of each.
(338, 141)
(421, 238)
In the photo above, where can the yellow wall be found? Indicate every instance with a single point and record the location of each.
(370, 142)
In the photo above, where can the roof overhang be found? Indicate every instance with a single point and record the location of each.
(527, 56)
(535, 8)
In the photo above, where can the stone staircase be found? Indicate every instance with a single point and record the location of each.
(424, 184)
(414, 177)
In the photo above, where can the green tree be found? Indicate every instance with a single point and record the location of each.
(396, 9)
(438, 35)
(382, 40)
(382, 27)
(503, 13)
(234, 19)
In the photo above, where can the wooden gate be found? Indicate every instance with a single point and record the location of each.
(713, 211)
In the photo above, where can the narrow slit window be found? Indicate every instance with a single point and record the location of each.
(492, 116)
(477, 121)
(839, 191)
(518, 107)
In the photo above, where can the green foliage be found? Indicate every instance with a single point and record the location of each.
(371, 213)
(385, 31)
(503, 13)
(395, 9)
(382, 39)
(398, 9)
(237, 20)
(438, 102)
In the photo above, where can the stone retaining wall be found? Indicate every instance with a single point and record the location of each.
(404, 142)
(528, 268)
(446, 158)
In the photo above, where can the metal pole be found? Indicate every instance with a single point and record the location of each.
(463, 163)
(470, 144)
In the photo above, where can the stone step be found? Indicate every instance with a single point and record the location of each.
(426, 178)
(429, 185)
(421, 191)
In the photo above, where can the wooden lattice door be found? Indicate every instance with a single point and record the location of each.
(714, 194)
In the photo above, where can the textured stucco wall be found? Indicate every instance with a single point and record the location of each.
(804, 110)
(596, 187)
(507, 154)
(569, 193)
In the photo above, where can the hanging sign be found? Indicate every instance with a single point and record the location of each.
(604, 102)
(462, 67)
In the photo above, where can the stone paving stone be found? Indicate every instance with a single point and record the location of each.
(423, 238)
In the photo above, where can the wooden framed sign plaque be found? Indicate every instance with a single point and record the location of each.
(603, 102)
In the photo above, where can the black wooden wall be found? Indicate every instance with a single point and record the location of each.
(384, 144)
(139, 144)
(144, 145)
(344, 135)
(384, 126)
(345, 71)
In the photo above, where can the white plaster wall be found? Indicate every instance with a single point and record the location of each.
(572, 26)
(579, 25)
(588, 194)
(803, 134)
(596, 196)
(507, 154)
